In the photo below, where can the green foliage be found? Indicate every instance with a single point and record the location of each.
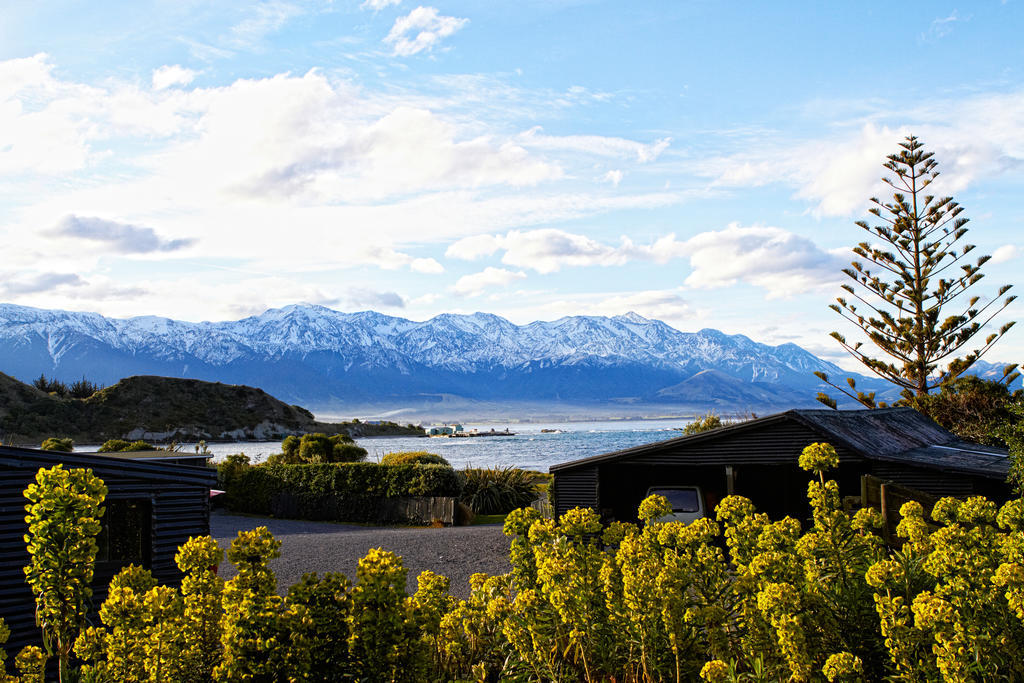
(320, 448)
(317, 448)
(736, 598)
(31, 665)
(50, 386)
(118, 651)
(255, 649)
(63, 521)
(413, 458)
(318, 612)
(704, 423)
(290, 447)
(917, 319)
(200, 623)
(123, 446)
(343, 492)
(498, 490)
(379, 643)
(231, 469)
(1013, 435)
(83, 388)
(55, 443)
(974, 409)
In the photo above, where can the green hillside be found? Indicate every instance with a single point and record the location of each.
(160, 408)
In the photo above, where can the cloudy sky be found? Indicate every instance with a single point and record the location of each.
(698, 162)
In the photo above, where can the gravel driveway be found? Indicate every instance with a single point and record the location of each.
(456, 552)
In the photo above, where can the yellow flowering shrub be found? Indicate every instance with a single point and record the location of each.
(63, 522)
(819, 458)
(740, 597)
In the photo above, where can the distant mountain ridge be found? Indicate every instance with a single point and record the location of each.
(323, 358)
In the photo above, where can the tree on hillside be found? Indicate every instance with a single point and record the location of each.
(908, 284)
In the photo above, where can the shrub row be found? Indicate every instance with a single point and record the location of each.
(339, 491)
(735, 599)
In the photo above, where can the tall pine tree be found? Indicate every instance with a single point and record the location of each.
(909, 283)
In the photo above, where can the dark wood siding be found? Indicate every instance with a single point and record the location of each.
(935, 482)
(773, 444)
(577, 488)
(180, 499)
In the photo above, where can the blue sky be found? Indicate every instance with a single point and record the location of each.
(698, 162)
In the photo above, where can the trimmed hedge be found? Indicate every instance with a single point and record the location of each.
(413, 458)
(350, 492)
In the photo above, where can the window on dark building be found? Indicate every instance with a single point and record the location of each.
(125, 536)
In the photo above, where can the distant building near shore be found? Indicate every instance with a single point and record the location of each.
(443, 430)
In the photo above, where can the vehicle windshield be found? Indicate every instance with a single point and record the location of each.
(681, 500)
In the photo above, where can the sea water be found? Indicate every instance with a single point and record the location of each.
(529, 448)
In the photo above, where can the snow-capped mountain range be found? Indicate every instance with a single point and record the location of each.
(330, 360)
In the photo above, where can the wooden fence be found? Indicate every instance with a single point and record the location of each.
(888, 498)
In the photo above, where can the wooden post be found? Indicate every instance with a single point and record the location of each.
(886, 534)
(730, 480)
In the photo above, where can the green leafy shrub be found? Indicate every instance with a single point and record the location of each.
(335, 491)
(413, 458)
(230, 469)
(123, 446)
(318, 448)
(498, 490)
(58, 444)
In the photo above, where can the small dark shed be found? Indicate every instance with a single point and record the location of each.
(758, 459)
(155, 502)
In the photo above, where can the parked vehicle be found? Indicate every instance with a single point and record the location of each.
(687, 502)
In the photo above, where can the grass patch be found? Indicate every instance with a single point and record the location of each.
(488, 519)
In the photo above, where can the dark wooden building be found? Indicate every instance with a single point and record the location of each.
(758, 459)
(155, 502)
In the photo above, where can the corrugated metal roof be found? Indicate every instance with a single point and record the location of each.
(889, 434)
(12, 456)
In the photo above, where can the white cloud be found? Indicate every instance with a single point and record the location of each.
(388, 258)
(427, 266)
(943, 26)
(120, 237)
(668, 304)
(14, 284)
(774, 259)
(378, 5)
(548, 250)
(973, 138)
(597, 145)
(420, 30)
(489, 278)
(266, 18)
(359, 297)
(613, 177)
(474, 247)
(778, 261)
(167, 76)
(1005, 253)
